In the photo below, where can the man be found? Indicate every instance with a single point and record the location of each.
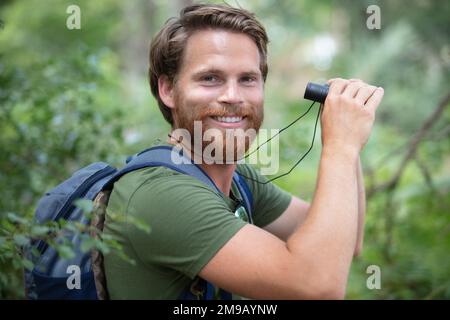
(209, 66)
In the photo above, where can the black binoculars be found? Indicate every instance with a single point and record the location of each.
(316, 92)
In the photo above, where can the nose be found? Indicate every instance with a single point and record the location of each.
(231, 93)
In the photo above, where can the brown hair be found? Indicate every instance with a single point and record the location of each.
(166, 49)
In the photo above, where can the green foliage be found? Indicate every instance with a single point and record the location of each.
(70, 97)
(16, 233)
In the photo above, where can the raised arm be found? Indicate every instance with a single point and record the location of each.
(315, 260)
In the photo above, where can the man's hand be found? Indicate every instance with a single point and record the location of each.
(349, 113)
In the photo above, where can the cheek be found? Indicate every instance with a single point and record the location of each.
(196, 102)
(202, 95)
(255, 96)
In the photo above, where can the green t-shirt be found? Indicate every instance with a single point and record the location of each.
(189, 223)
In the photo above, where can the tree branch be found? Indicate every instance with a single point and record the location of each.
(425, 172)
(412, 147)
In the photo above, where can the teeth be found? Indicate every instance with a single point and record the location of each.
(228, 119)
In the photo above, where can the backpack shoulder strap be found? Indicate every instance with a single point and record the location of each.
(97, 259)
(246, 194)
(173, 159)
(163, 156)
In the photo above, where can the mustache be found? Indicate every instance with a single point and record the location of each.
(228, 111)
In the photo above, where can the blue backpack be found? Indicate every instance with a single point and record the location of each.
(48, 278)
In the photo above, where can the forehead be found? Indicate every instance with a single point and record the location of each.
(220, 49)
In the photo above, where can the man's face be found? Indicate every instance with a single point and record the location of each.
(221, 85)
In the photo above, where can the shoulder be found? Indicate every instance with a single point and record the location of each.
(250, 174)
(161, 184)
(168, 201)
(246, 168)
(255, 181)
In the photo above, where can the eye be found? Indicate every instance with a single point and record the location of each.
(248, 79)
(210, 78)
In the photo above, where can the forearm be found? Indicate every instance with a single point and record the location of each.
(361, 208)
(327, 238)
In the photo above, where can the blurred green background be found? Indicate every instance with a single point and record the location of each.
(71, 97)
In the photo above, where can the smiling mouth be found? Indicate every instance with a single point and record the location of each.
(228, 119)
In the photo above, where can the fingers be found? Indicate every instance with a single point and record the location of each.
(337, 86)
(353, 88)
(364, 93)
(333, 79)
(375, 99)
(357, 90)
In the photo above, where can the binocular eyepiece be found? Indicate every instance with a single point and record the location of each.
(316, 92)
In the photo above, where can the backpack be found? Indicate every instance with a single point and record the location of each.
(48, 278)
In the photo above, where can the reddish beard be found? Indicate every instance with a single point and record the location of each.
(185, 116)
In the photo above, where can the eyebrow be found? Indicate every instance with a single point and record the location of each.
(202, 72)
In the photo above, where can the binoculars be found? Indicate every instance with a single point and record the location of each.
(316, 92)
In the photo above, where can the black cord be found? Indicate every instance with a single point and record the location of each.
(296, 164)
(281, 130)
(300, 160)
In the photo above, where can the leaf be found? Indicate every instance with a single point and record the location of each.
(85, 205)
(140, 224)
(102, 246)
(17, 263)
(87, 244)
(126, 258)
(71, 227)
(65, 251)
(21, 240)
(62, 223)
(106, 237)
(17, 219)
(39, 230)
(27, 264)
(35, 252)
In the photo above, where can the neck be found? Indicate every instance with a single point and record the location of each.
(220, 174)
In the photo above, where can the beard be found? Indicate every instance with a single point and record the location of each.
(225, 145)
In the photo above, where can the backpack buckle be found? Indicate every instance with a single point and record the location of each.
(197, 290)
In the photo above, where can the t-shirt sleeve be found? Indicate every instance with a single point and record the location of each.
(269, 200)
(189, 223)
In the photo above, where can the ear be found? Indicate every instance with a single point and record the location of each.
(165, 89)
